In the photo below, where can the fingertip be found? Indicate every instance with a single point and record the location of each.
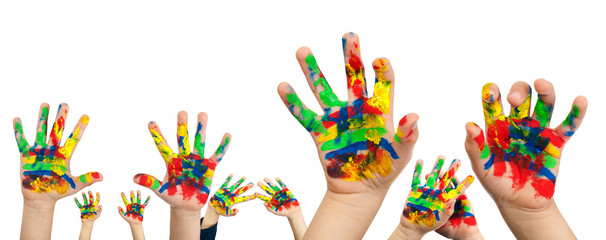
(302, 53)
(518, 93)
(490, 93)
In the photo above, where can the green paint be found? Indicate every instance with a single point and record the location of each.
(307, 118)
(467, 208)
(350, 138)
(543, 112)
(43, 166)
(572, 116)
(21, 141)
(83, 180)
(41, 135)
(485, 152)
(549, 161)
(328, 97)
(155, 185)
(199, 145)
(436, 171)
(395, 136)
(416, 181)
(424, 203)
(221, 148)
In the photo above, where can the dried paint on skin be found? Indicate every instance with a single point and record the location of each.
(462, 214)
(134, 208)
(45, 165)
(426, 203)
(569, 122)
(543, 112)
(522, 149)
(225, 198)
(89, 210)
(355, 73)
(279, 199)
(188, 174)
(351, 133)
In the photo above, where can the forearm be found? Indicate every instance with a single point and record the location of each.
(86, 230)
(403, 233)
(184, 224)
(37, 219)
(344, 216)
(547, 223)
(210, 218)
(297, 224)
(137, 231)
(476, 236)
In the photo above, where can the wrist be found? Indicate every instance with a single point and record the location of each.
(473, 236)
(403, 232)
(210, 218)
(543, 223)
(294, 216)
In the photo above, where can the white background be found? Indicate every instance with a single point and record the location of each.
(125, 63)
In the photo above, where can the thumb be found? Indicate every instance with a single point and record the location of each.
(87, 179)
(149, 182)
(406, 136)
(476, 148)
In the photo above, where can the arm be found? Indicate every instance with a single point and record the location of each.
(134, 214)
(360, 152)
(45, 171)
(186, 186)
(525, 145)
(211, 218)
(282, 202)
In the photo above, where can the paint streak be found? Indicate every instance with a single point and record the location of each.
(225, 198)
(89, 210)
(279, 200)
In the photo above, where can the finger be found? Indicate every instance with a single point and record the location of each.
(89, 178)
(246, 198)
(59, 125)
(74, 137)
(161, 144)
(21, 141)
(271, 184)
(148, 181)
(200, 134)
(139, 196)
(544, 107)
(237, 184)
(454, 193)
(126, 203)
(183, 133)
(98, 199)
(449, 174)
(491, 102)
(574, 119)
(416, 179)
(232, 212)
(263, 197)
(220, 152)
(407, 131)
(78, 203)
(243, 189)
(354, 68)
(383, 90)
(431, 182)
(99, 210)
(226, 183)
(146, 201)
(91, 198)
(41, 129)
(519, 99)
(121, 211)
(84, 198)
(318, 84)
(132, 196)
(265, 188)
(477, 149)
(282, 185)
(306, 117)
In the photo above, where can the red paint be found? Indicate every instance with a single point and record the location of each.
(553, 136)
(544, 187)
(403, 121)
(60, 124)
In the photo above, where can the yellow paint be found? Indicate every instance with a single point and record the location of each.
(182, 132)
(164, 149)
(362, 170)
(455, 192)
(422, 218)
(493, 109)
(354, 77)
(552, 150)
(382, 91)
(523, 109)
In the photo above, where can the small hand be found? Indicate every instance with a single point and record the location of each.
(45, 166)
(280, 201)
(134, 208)
(189, 175)
(91, 210)
(518, 161)
(225, 198)
(462, 223)
(358, 147)
(429, 206)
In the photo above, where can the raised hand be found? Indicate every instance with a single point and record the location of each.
(429, 206)
(45, 166)
(280, 201)
(134, 208)
(356, 141)
(518, 160)
(91, 209)
(462, 223)
(189, 175)
(226, 197)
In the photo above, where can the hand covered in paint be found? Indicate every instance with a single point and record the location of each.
(355, 139)
(518, 160)
(134, 208)
(280, 201)
(430, 206)
(45, 166)
(189, 175)
(225, 198)
(91, 210)
(462, 223)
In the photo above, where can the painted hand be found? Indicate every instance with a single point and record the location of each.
(429, 206)
(45, 166)
(225, 198)
(280, 201)
(189, 175)
(91, 210)
(518, 160)
(134, 208)
(356, 142)
(462, 223)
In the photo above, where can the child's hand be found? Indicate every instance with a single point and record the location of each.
(225, 198)
(519, 161)
(358, 147)
(462, 223)
(280, 201)
(45, 168)
(91, 210)
(189, 175)
(134, 208)
(429, 206)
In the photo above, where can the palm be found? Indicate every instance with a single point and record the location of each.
(226, 198)
(90, 211)
(189, 175)
(134, 209)
(356, 141)
(280, 201)
(45, 166)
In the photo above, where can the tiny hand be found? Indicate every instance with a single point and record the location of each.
(429, 206)
(134, 208)
(189, 175)
(462, 223)
(280, 201)
(225, 198)
(91, 210)
(45, 166)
